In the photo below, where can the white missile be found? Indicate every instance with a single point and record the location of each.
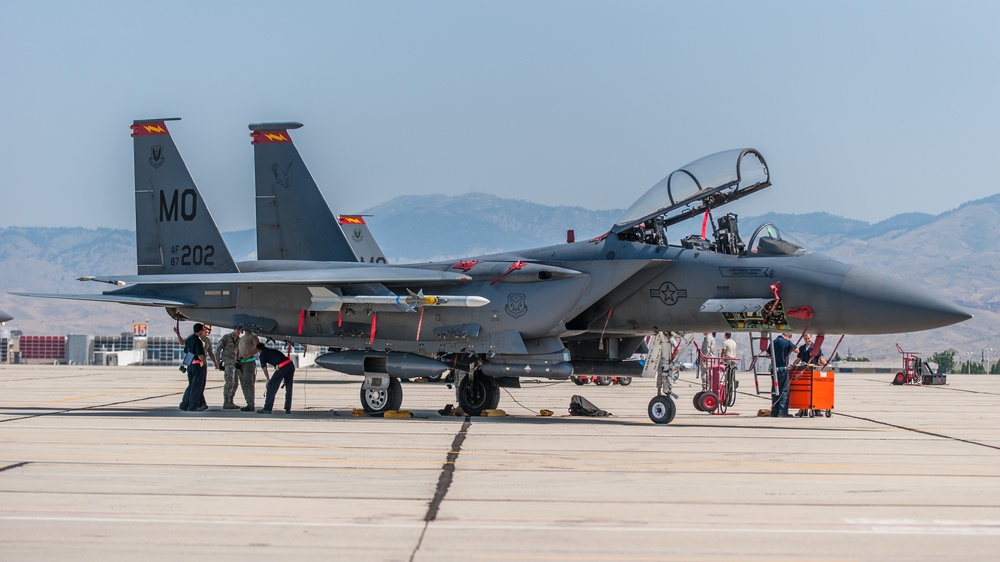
(324, 299)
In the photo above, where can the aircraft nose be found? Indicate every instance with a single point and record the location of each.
(879, 304)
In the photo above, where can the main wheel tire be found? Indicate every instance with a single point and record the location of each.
(603, 381)
(381, 401)
(697, 400)
(580, 381)
(662, 409)
(709, 402)
(624, 381)
(478, 393)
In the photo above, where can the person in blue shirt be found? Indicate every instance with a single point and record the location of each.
(284, 371)
(781, 349)
(806, 351)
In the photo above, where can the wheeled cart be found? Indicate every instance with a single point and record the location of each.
(718, 386)
(811, 391)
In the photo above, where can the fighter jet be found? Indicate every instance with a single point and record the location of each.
(539, 313)
(4, 317)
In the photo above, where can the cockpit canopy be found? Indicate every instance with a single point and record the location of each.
(767, 241)
(699, 188)
(706, 183)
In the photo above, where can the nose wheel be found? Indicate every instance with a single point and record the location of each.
(662, 409)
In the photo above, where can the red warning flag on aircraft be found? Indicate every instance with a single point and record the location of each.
(151, 128)
(351, 219)
(261, 137)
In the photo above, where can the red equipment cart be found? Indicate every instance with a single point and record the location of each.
(718, 384)
(911, 368)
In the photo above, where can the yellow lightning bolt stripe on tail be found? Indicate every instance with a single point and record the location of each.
(154, 129)
(273, 137)
(352, 220)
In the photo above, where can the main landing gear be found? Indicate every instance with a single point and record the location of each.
(380, 401)
(478, 392)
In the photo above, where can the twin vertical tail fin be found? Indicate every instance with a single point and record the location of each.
(361, 240)
(294, 221)
(174, 230)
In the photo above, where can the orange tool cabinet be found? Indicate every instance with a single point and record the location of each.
(811, 391)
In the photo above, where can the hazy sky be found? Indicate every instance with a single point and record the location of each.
(863, 109)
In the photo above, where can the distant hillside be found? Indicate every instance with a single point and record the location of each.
(955, 254)
(433, 227)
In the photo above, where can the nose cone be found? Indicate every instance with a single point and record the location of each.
(878, 304)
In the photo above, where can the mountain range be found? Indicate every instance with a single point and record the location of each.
(955, 253)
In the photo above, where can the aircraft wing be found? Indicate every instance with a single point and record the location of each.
(121, 299)
(347, 275)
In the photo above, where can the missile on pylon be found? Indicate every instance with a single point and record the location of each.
(324, 299)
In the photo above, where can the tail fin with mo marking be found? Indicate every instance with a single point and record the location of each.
(174, 230)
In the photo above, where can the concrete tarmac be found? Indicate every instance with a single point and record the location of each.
(98, 463)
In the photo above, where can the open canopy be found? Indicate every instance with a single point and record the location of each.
(706, 183)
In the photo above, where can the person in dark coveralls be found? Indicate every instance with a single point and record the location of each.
(197, 372)
(780, 350)
(284, 371)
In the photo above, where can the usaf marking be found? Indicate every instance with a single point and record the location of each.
(668, 293)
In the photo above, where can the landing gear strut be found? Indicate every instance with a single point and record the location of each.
(664, 360)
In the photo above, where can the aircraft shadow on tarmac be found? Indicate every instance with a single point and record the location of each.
(317, 412)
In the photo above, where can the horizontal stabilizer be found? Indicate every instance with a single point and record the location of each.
(121, 299)
(346, 275)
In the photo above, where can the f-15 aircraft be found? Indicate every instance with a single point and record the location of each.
(540, 313)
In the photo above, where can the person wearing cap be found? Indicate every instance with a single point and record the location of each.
(284, 371)
(780, 350)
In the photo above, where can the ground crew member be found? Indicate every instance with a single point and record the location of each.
(247, 355)
(194, 394)
(708, 344)
(206, 342)
(781, 349)
(729, 353)
(729, 346)
(284, 372)
(226, 351)
(806, 351)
